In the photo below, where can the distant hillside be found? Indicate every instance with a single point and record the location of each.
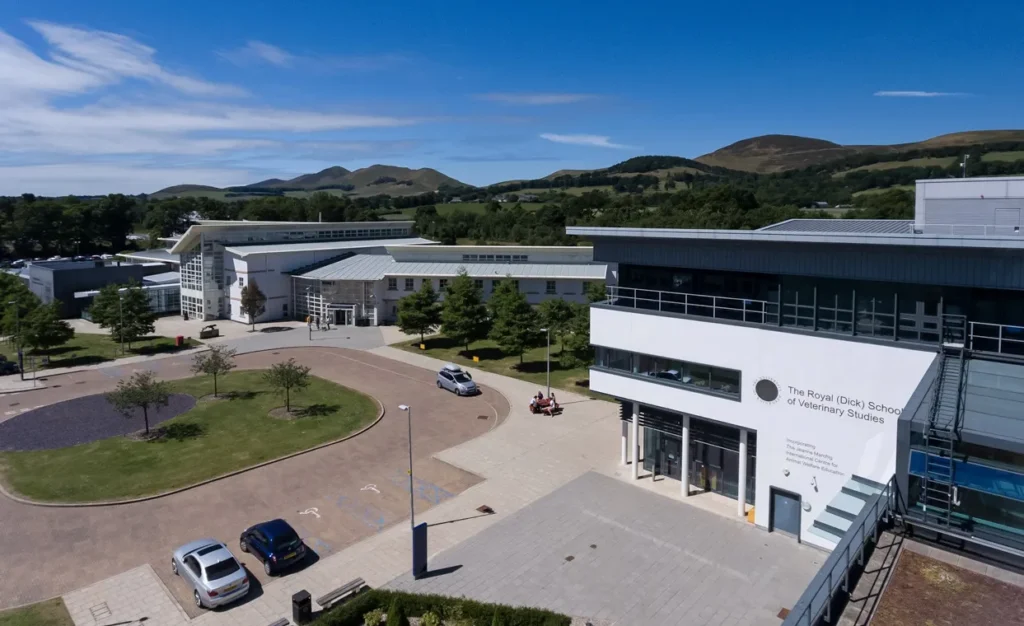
(369, 181)
(778, 153)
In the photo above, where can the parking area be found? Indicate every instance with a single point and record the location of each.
(334, 497)
(603, 550)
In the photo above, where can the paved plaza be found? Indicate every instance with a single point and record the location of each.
(602, 549)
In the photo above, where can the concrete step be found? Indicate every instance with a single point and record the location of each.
(850, 506)
(828, 535)
(833, 523)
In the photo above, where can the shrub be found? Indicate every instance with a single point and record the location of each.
(453, 610)
(374, 617)
(499, 617)
(430, 619)
(396, 613)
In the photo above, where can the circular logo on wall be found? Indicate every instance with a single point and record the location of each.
(767, 390)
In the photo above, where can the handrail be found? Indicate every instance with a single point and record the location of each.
(966, 229)
(816, 602)
(741, 309)
(987, 337)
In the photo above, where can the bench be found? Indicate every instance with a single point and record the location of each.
(281, 622)
(350, 588)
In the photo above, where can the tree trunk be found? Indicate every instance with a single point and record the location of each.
(145, 417)
(215, 385)
(287, 400)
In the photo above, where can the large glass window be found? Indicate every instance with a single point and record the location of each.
(673, 371)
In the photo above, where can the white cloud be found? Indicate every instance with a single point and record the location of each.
(109, 57)
(536, 98)
(263, 52)
(919, 94)
(59, 179)
(599, 141)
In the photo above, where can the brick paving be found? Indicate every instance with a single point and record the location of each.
(357, 487)
(603, 549)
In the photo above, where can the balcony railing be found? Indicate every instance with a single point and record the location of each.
(872, 317)
(815, 606)
(996, 338)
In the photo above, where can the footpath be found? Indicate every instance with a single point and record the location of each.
(522, 460)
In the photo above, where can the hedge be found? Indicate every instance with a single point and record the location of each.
(351, 612)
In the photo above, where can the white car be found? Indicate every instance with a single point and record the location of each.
(215, 575)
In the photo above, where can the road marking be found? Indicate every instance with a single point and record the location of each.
(370, 488)
(311, 511)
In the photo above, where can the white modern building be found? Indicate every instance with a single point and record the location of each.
(369, 286)
(218, 258)
(804, 367)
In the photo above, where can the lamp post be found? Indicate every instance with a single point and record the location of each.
(412, 509)
(309, 316)
(120, 310)
(17, 338)
(548, 331)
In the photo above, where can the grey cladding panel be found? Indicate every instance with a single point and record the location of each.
(959, 267)
(965, 211)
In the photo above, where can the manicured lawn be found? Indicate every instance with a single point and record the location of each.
(48, 613)
(89, 349)
(212, 439)
(533, 368)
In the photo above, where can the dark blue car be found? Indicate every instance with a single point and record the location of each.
(275, 543)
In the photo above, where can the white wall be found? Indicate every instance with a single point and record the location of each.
(848, 439)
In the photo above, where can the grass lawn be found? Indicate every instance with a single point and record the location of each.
(883, 190)
(493, 360)
(212, 439)
(89, 349)
(891, 165)
(48, 613)
(1016, 155)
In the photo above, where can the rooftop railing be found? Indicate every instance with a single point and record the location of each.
(967, 230)
(816, 604)
(1000, 339)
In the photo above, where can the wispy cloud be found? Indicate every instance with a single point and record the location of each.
(259, 52)
(920, 94)
(535, 99)
(597, 141)
(43, 137)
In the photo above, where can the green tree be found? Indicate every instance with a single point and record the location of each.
(396, 613)
(576, 349)
(124, 310)
(463, 315)
(596, 292)
(513, 320)
(44, 329)
(214, 362)
(286, 376)
(254, 302)
(18, 305)
(141, 391)
(419, 312)
(555, 315)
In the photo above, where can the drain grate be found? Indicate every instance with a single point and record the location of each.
(100, 611)
(483, 508)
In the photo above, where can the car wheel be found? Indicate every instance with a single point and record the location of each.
(438, 384)
(174, 567)
(197, 598)
(267, 569)
(244, 547)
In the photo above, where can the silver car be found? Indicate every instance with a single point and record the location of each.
(452, 378)
(212, 571)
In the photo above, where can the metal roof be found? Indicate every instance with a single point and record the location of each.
(162, 278)
(370, 267)
(156, 255)
(320, 246)
(189, 237)
(841, 226)
(907, 239)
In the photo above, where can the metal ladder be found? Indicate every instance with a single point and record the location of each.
(941, 436)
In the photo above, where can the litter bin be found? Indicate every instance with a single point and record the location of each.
(302, 608)
(179, 341)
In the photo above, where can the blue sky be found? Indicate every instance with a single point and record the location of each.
(110, 96)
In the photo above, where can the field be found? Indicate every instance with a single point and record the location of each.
(883, 190)
(891, 165)
(90, 349)
(213, 438)
(448, 209)
(1002, 156)
(48, 613)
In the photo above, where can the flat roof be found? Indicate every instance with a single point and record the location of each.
(841, 226)
(370, 267)
(769, 234)
(162, 278)
(206, 226)
(156, 255)
(245, 250)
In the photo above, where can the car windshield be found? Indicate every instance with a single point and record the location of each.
(462, 378)
(284, 542)
(221, 569)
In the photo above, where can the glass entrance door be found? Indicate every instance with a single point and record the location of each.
(708, 473)
(662, 454)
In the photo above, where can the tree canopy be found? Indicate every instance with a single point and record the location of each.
(286, 376)
(513, 321)
(142, 390)
(254, 302)
(419, 312)
(463, 315)
(124, 310)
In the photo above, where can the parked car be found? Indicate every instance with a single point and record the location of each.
(215, 575)
(8, 367)
(274, 543)
(452, 378)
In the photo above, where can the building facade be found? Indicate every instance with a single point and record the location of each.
(62, 280)
(799, 368)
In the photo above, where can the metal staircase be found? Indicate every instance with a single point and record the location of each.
(942, 435)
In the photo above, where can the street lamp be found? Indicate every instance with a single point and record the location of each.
(309, 316)
(120, 310)
(17, 338)
(412, 509)
(548, 331)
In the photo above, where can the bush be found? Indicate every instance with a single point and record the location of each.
(374, 617)
(351, 613)
(499, 618)
(396, 613)
(430, 619)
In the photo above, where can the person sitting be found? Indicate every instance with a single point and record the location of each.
(550, 406)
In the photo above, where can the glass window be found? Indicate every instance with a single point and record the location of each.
(515, 283)
(392, 284)
(442, 284)
(549, 288)
(681, 373)
(478, 283)
(221, 569)
(408, 284)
